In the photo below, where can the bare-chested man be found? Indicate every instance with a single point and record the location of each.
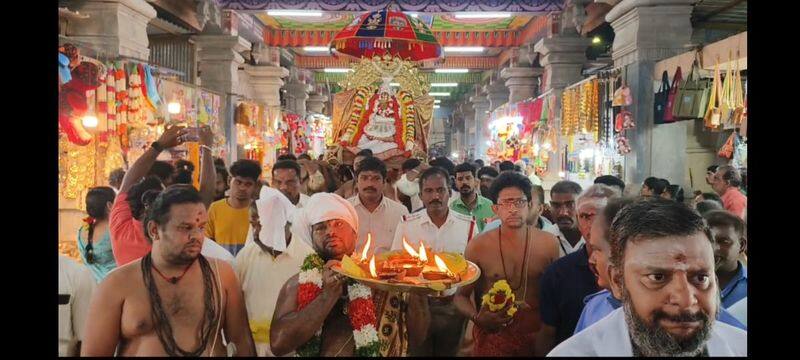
(518, 253)
(330, 226)
(173, 301)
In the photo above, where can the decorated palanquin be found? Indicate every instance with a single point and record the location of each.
(370, 114)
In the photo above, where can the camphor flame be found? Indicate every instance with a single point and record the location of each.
(372, 267)
(423, 255)
(441, 265)
(366, 247)
(410, 249)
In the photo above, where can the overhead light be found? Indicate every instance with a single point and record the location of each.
(315, 48)
(451, 71)
(439, 94)
(394, 84)
(444, 84)
(89, 121)
(437, 101)
(483, 15)
(414, 15)
(455, 154)
(436, 106)
(294, 13)
(464, 49)
(337, 70)
(596, 40)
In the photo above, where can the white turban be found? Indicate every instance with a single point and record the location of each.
(322, 207)
(274, 210)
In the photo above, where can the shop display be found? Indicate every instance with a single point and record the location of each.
(691, 96)
(593, 128)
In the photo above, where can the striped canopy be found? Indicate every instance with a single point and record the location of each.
(387, 31)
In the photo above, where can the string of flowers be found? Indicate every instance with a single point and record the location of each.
(360, 310)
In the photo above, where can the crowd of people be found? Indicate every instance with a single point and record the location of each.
(240, 267)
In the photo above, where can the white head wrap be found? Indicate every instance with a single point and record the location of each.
(322, 207)
(274, 210)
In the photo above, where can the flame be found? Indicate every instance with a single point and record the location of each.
(423, 255)
(409, 249)
(372, 267)
(366, 247)
(440, 264)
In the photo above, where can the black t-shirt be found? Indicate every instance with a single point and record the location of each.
(564, 285)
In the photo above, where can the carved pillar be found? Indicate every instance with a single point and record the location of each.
(640, 27)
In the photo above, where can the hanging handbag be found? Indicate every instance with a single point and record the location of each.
(712, 118)
(660, 99)
(727, 149)
(624, 121)
(726, 97)
(738, 98)
(622, 96)
(673, 91)
(691, 98)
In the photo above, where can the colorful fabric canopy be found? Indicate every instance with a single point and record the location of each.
(387, 31)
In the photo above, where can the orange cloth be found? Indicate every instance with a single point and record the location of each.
(734, 201)
(517, 339)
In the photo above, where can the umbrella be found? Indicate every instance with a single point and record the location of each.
(387, 31)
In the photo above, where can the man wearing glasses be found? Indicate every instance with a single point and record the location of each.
(518, 253)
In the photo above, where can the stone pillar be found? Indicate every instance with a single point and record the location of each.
(297, 94)
(266, 82)
(316, 103)
(562, 57)
(522, 82)
(114, 27)
(219, 57)
(481, 105)
(640, 27)
(496, 93)
(469, 129)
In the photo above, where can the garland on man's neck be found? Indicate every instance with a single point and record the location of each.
(360, 310)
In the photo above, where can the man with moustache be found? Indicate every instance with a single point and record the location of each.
(442, 229)
(470, 203)
(286, 178)
(569, 280)
(602, 303)
(562, 204)
(486, 175)
(330, 227)
(378, 215)
(662, 269)
(173, 301)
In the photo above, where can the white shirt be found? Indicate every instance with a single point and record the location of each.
(739, 310)
(77, 281)
(214, 250)
(564, 247)
(261, 278)
(303, 200)
(610, 337)
(381, 223)
(453, 236)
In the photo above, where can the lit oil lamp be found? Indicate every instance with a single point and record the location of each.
(385, 273)
(441, 273)
(363, 258)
